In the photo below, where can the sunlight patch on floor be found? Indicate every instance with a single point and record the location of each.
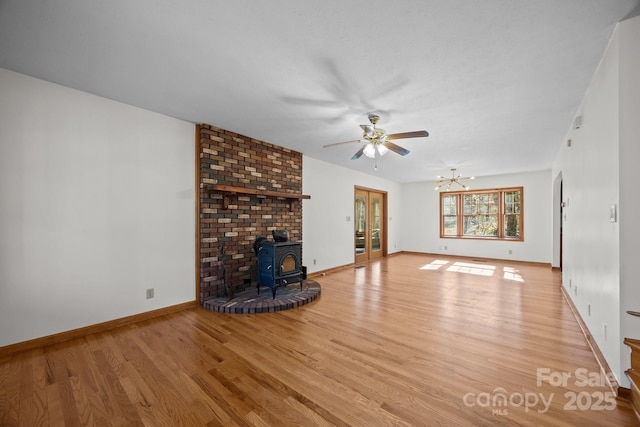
(469, 268)
(434, 265)
(511, 273)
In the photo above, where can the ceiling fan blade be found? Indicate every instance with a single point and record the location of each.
(359, 152)
(396, 148)
(310, 102)
(342, 143)
(414, 134)
(368, 129)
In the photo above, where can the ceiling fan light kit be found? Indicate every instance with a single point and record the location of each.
(377, 141)
(370, 150)
(442, 181)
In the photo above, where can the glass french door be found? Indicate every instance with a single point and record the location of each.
(370, 219)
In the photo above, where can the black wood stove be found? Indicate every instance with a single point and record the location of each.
(279, 263)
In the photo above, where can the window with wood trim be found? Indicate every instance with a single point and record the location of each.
(485, 214)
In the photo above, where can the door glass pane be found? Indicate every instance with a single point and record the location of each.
(376, 213)
(360, 214)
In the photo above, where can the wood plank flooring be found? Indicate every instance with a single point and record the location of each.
(410, 340)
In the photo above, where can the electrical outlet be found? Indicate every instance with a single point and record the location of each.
(314, 261)
(604, 331)
(510, 251)
(445, 248)
(149, 293)
(589, 309)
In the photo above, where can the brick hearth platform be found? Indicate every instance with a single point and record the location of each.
(250, 302)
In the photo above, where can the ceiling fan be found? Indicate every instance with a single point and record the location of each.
(378, 141)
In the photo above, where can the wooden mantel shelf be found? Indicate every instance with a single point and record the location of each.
(254, 191)
(228, 189)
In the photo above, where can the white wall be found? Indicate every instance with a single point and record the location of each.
(629, 135)
(421, 216)
(413, 217)
(599, 256)
(326, 233)
(590, 186)
(96, 205)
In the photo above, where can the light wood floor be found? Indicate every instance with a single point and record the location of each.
(404, 341)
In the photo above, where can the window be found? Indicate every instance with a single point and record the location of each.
(489, 214)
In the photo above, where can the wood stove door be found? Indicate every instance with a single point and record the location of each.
(266, 267)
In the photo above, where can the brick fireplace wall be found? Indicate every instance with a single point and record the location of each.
(226, 236)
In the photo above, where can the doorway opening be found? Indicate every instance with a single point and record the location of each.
(370, 225)
(558, 221)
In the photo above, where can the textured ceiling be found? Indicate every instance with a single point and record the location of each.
(496, 83)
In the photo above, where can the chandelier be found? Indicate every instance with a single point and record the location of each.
(442, 181)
